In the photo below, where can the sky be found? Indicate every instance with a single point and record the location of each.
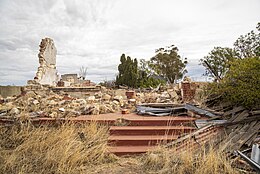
(94, 33)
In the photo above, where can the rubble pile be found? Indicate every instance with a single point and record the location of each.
(164, 96)
(48, 104)
(38, 101)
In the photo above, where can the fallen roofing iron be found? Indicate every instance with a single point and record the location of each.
(142, 110)
(199, 111)
(201, 123)
(169, 109)
(161, 105)
(251, 162)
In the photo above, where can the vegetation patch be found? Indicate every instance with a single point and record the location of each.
(68, 148)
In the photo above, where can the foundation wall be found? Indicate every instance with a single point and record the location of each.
(9, 91)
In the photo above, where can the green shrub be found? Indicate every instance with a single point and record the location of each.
(241, 85)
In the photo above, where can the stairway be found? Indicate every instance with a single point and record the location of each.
(146, 134)
(139, 133)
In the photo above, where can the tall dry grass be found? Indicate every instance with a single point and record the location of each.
(71, 148)
(206, 160)
(68, 148)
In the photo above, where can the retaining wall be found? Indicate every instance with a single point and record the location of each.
(9, 91)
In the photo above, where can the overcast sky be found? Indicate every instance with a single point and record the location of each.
(94, 33)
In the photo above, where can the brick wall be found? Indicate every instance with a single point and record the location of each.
(188, 91)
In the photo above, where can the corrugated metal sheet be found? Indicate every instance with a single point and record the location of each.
(199, 111)
(201, 123)
(142, 110)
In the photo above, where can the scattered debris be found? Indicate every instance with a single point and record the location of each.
(251, 162)
(142, 110)
(199, 110)
(125, 111)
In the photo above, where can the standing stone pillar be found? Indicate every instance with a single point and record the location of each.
(47, 73)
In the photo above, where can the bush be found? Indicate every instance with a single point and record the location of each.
(150, 82)
(241, 86)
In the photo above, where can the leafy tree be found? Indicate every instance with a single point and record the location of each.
(217, 62)
(128, 72)
(240, 74)
(168, 63)
(249, 44)
(145, 76)
(143, 72)
(241, 83)
(121, 68)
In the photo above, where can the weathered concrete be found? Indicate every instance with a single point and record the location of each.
(9, 91)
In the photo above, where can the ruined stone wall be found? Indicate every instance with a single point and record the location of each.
(47, 73)
(9, 91)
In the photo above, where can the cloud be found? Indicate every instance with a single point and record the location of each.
(95, 33)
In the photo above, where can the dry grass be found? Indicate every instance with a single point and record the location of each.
(73, 148)
(205, 160)
(65, 149)
(165, 161)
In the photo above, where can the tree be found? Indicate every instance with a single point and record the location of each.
(240, 72)
(135, 73)
(217, 62)
(128, 72)
(241, 83)
(145, 76)
(83, 72)
(249, 44)
(143, 73)
(168, 63)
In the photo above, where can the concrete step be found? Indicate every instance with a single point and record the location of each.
(140, 140)
(162, 122)
(150, 130)
(130, 150)
(140, 121)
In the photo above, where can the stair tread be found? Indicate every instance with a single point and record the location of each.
(142, 137)
(149, 127)
(131, 116)
(130, 149)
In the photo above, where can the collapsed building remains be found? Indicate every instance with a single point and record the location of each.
(47, 73)
(165, 115)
